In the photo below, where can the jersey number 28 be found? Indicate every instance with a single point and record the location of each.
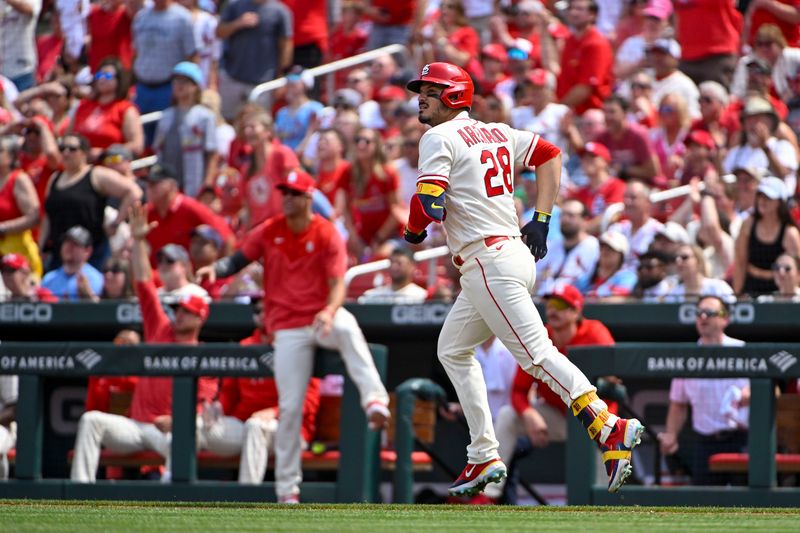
(499, 162)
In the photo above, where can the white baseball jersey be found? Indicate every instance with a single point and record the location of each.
(477, 162)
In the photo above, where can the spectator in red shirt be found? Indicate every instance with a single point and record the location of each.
(372, 195)
(543, 421)
(715, 115)
(454, 40)
(632, 155)
(109, 28)
(709, 33)
(348, 38)
(100, 388)
(304, 262)
(494, 60)
(150, 424)
(585, 70)
(245, 419)
(394, 21)
(603, 189)
(175, 214)
(310, 31)
(39, 155)
(783, 13)
(20, 283)
(333, 167)
(269, 164)
(108, 117)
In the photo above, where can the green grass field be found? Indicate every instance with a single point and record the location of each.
(24, 516)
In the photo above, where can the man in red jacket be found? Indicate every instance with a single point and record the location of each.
(543, 421)
(245, 418)
(149, 426)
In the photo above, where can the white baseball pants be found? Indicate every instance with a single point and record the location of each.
(252, 440)
(294, 363)
(496, 285)
(8, 439)
(117, 433)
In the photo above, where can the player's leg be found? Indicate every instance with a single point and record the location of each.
(223, 437)
(96, 429)
(258, 440)
(462, 331)
(500, 281)
(294, 362)
(347, 337)
(7, 441)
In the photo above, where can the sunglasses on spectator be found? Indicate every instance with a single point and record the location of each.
(666, 109)
(69, 148)
(641, 86)
(557, 304)
(115, 269)
(113, 159)
(367, 140)
(763, 44)
(105, 76)
(166, 260)
(711, 313)
(683, 257)
(781, 268)
(705, 99)
(356, 80)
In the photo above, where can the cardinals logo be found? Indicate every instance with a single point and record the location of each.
(425, 70)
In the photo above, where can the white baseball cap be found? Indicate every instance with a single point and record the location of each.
(616, 241)
(675, 233)
(773, 188)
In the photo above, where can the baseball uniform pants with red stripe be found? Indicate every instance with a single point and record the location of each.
(496, 285)
(253, 439)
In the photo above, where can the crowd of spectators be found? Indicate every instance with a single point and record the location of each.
(642, 96)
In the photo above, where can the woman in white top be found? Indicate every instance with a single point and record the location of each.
(786, 273)
(691, 269)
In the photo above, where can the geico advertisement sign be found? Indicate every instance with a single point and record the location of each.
(741, 313)
(26, 313)
(420, 314)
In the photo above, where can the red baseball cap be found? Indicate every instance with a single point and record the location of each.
(545, 78)
(391, 93)
(703, 138)
(195, 304)
(15, 261)
(596, 149)
(299, 181)
(569, 294)
(495, 51)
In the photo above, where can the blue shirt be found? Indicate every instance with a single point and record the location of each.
(291, 126)
(65, 287)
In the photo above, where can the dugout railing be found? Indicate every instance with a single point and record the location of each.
(762, 363)
(358, 468)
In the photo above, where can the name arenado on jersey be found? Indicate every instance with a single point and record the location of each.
(473, 135)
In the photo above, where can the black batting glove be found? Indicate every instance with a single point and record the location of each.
(535, 234)
(414, 238)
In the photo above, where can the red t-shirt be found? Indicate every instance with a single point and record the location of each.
(98, 393)
(632, 148)
(370, 209)
(297, 269)
(310, 22)
(152, 397)
(587, 60)
(328, 182)
(241, 397)
(790, 31)
(38, 170)
(609, 192)
(111, 36)
(100, 123)
(9, 209)
(707, 28)
(466, 39)
(590, 332)
(395, 12)
(181, 218)
(346, 45)
(263, 200)
(728, 121)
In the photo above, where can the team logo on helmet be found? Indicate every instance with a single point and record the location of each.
(425, 70)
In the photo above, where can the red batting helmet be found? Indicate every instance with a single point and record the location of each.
(457, 83)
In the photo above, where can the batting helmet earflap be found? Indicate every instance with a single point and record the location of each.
(457, 83)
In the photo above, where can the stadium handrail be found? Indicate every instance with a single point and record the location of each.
(329, 68)
(431, 255)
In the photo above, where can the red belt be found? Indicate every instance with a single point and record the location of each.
(488, 241)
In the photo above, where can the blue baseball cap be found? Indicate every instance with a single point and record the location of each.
(518, 54)
(190, 70)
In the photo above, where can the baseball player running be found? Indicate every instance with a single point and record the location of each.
(466, 181)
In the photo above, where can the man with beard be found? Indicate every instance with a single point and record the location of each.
(653, 282)
(574, 257)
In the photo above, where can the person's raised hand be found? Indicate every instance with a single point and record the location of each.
(140, 228)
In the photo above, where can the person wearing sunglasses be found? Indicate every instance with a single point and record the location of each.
(693, 280)
(771, 45)
(118, 284)
(786, 273)
(719, 423)
(107, 116)
(543, 420)
(652, 282)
